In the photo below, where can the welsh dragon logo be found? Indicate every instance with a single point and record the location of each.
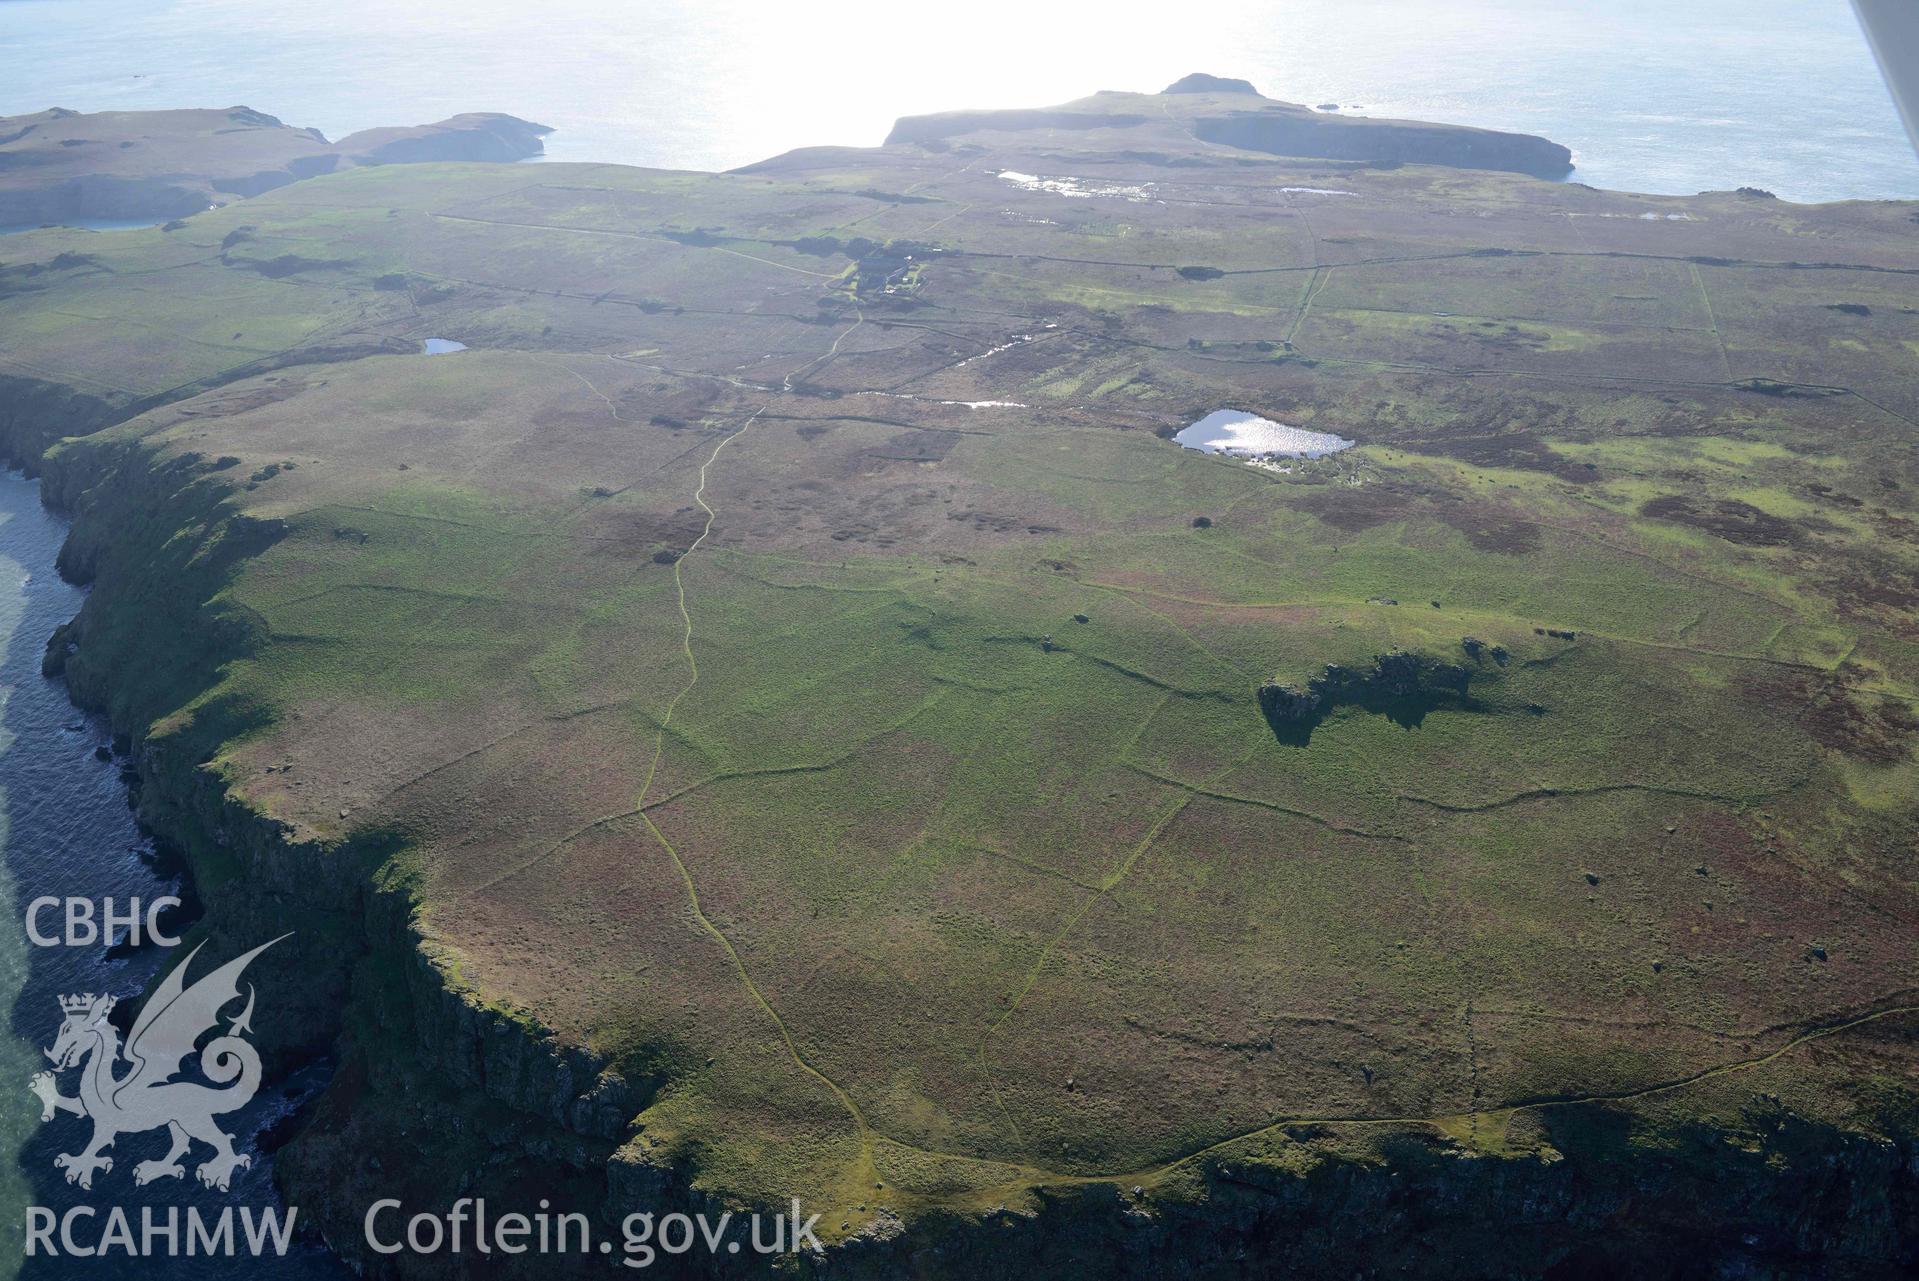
(147, 1096)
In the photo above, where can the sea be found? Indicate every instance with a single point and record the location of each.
(1651, 96)
(68, 832)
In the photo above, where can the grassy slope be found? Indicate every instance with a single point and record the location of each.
(916, 896)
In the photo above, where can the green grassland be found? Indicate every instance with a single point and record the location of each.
(892, 768)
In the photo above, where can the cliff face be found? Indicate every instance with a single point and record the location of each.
(435, 1090)
(34, 413)
(62, 165)
(1421, 1211)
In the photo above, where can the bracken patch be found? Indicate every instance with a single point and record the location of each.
(1352, 510)
(1836, 715)
(1491, 527)
(1730, 519)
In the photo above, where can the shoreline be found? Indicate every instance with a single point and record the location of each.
(72, 853)
(1650, 121)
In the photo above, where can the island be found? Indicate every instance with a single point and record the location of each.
(778, 715)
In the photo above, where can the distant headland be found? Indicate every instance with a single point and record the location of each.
(61, 166)
(1233, 113)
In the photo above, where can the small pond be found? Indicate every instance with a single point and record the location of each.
(1244, 435)
(440, 346)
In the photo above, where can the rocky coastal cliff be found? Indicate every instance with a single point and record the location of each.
(435, 1089)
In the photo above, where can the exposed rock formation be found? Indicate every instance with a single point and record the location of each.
(1399, 685)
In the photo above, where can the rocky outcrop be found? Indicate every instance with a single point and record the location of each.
(62, 166)
(1399, 685)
